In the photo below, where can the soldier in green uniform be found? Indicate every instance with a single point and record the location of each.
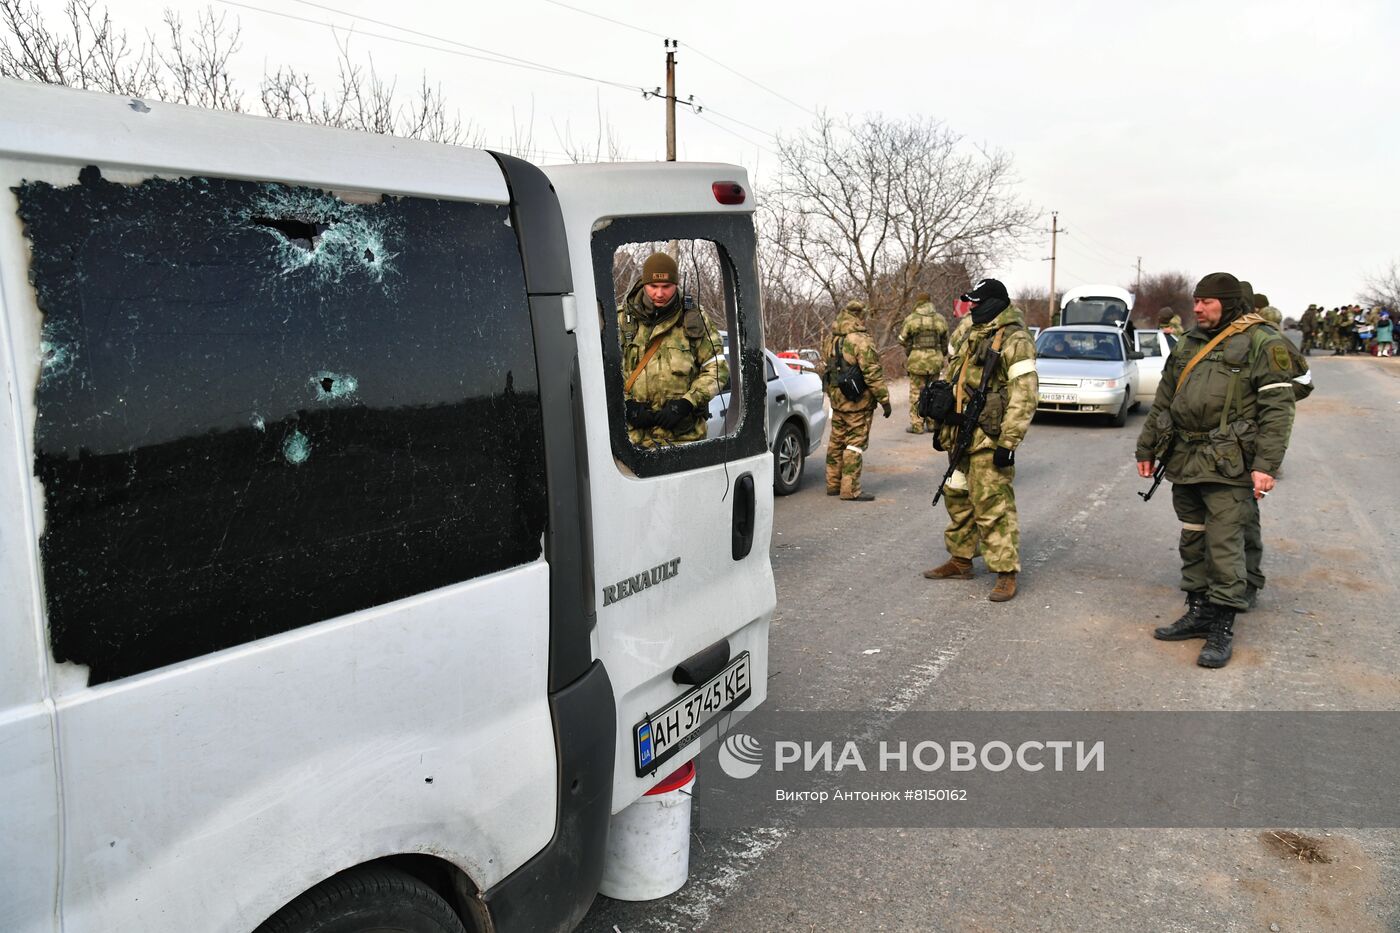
(924, 337)
(1222, 417)
(979, 496)
(672, 359)
(1169, 322)
(849, 344)
(1308, 324)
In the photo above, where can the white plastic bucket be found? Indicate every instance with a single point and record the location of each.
(649, 842)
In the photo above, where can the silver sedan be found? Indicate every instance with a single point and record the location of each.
(1087, 369)
(797, 418)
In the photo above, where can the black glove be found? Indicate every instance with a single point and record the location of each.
(673, 413)
(639, 415)
(886, 407)
(937, 445)
(1003, 457)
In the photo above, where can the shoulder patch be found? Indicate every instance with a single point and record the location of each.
(1279, 359)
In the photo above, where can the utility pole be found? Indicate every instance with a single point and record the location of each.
(1054, 233)
(671, 45)
(1138, 290)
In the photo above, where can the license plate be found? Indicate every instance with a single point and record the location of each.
(664, 733)
(1058, 397)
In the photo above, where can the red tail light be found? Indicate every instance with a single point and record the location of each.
(728, 192)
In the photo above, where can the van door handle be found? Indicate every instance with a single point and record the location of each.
(780, 397)
(743, 517)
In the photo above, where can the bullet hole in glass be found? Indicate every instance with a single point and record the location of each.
(369, 255)
(327, 384)
(301, 233)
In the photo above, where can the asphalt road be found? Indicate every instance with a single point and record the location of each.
(1100, 569)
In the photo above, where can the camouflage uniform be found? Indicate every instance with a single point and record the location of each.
(979, 496)
(851, 421)
(924, 337)
(688, 364)
(1174, 326)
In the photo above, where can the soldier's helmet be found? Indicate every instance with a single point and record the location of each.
(855, 307)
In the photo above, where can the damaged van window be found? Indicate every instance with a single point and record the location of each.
(672, 343)
(261, 406)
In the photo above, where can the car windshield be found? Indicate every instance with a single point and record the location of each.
(1110, 311)
(1078, 345)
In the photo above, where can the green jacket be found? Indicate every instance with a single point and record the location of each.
(1213, 444)
(1014, 389)
(924, 336)
(856, 347)
(689, 364)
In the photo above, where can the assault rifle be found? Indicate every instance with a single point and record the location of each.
(1157, 475)
(972, 413)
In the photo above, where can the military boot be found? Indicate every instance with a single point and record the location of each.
(1005, 588)
(1190, 625)
(1217, 651)
(954, 568)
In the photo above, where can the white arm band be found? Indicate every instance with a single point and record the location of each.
(1017, 370)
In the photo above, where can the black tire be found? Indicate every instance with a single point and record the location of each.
(1121, 418)
(789, 458)
(372, 899)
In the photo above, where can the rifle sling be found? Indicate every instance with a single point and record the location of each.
(1238, 326)
(646, 358)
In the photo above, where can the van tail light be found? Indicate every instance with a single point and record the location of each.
(728, 192)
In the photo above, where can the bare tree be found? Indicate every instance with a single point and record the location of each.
(874, 208)
(88, 52)
(1034, 303)
(192, 67)
(1382, 290)
(1160, 291)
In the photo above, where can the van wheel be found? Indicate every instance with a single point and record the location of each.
(1121, 418)
(361, 900)
(789, 457)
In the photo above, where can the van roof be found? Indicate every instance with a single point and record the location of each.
(1097, 291)
(45, 122)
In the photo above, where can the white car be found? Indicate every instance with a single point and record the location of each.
(1087, 369)
(797, 418)
(1155, 346)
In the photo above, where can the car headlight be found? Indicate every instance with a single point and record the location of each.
(1100, 383)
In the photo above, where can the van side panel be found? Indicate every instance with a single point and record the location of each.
(204, 788)
(29, 814)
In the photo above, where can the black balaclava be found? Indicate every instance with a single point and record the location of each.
(989, 298)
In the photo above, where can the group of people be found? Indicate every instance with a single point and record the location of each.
(1348, 329)
(1218, 428)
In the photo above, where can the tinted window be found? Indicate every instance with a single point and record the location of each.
(262, 406)
(1108, 311)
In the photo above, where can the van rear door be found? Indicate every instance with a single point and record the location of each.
(683, 590)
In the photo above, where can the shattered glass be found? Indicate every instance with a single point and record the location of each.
(261, 406)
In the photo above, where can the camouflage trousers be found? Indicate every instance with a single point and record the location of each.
(1214, 519)
(845, 450)
(917, 381)
(982, 513)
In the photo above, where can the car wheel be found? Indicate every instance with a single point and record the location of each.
(366, 899)
(789, 457)
(1121, 418)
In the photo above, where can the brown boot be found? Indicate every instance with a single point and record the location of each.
(954, 568)
(1005, 588)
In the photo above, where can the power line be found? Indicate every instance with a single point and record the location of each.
(692, 48)
(1107, 249)
(724, 116)
(725, 129)
(497, 58)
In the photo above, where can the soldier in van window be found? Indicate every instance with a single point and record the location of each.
(672, 359)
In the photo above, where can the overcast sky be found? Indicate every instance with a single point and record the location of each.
(1260, 138)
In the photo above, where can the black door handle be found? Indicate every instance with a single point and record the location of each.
(781, 397)
(743, 517)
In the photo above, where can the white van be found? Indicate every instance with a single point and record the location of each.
(330, 584)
